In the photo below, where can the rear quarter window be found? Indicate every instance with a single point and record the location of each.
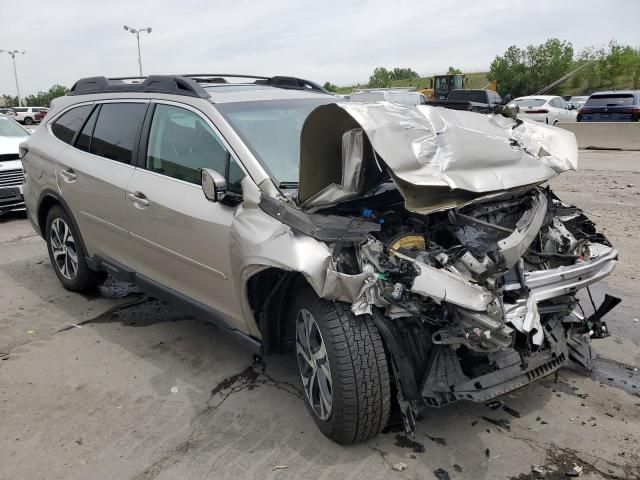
(70, 122)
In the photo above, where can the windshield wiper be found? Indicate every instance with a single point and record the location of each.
(286, 185)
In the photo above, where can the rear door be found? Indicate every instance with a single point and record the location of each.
(93, 173)
(179, 239)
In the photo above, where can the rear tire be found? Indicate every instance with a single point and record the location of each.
(28, 121)
(351, 351)
(67, 254)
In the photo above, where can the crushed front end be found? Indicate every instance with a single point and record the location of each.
(471, 266)
(480, 300)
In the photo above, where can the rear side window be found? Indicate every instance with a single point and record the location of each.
(70, 122)
(117, 130)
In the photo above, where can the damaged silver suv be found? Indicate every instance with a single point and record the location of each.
(407, 255)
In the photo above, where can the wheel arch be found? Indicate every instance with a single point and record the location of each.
(267, 293)
(47, 200)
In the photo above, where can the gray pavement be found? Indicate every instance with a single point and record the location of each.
(120, 386)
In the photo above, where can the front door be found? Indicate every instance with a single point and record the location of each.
(180, 239)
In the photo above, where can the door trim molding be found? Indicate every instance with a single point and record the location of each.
(177, 255)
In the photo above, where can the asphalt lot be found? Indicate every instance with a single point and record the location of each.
(117, 385)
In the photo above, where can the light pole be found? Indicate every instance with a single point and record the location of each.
(15, 72)
(137, 32)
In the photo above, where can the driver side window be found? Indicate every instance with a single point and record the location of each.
(181, 143)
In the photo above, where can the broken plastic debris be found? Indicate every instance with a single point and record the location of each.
(575, 471)
(398, 467)
(175, 389)
(29, 332)
(279, 467)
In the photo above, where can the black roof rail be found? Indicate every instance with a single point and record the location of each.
(177, 85)
(291, 83)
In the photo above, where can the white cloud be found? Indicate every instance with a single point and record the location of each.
(332, 40)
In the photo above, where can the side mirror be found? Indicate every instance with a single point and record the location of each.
(214, 185)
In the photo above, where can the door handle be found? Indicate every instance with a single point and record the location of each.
(139, 199)
(69, 175)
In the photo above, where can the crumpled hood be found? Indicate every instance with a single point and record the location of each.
(438, 158)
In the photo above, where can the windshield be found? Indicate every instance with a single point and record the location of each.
(271, 129)
(9, 128)
(467, 96)
(529, 102)
(610, 100)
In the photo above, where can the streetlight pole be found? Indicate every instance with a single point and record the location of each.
(137, 32)
(15, 72)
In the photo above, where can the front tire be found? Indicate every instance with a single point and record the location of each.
(67, 254)
(28, 121)
(343, 368)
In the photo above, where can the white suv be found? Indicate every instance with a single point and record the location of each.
(26, 115)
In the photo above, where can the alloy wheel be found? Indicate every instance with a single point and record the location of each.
(313, 364)
(63, 248)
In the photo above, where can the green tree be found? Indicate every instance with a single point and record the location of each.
(509, 70)
(524, 71)
(454, 71)
(381, 78)
(630, 62)
(43, 99)
(330, 87)
(402, 74)
(8, 101)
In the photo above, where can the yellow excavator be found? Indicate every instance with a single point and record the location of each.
(441, 85)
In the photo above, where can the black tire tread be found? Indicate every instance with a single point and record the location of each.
(360, 373)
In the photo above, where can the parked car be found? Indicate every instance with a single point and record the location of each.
(26, 115)
(8, 111)
(399, 97)
(617, 106)
(11, 177)
(38, 116)
(578, 101)
(475, 100)
(406, 256)
(547, 109)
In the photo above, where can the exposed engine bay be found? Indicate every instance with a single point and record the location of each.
(485, 291)
(472, 280)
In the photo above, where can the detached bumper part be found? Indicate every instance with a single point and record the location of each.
(446, 382)
(563, 280)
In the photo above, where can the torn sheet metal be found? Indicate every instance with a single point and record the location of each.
(351, 171)
(343, 287)
(524, 316)
(516, 244)
(439, 158)
(442, 285)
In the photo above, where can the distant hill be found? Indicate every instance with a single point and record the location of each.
(474, 80)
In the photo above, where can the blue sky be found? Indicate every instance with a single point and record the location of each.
(339, 41)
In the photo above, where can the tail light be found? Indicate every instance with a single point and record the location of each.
(542, 110)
